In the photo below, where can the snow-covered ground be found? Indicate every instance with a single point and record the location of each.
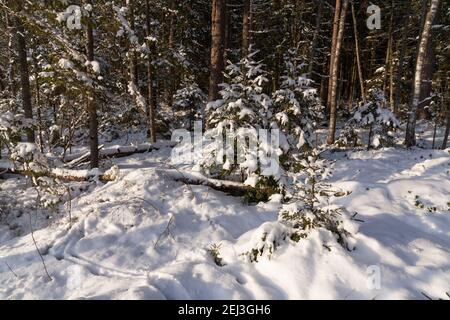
(146, 236)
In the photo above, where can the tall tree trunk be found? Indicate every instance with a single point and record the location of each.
(337, 12)
(217, 47)
(410, 138)
(427, 78)
(170, 81)
(246, 26)
(312, 51)
(401, 60)
(389, 50)
(150, 112)
(358, 58)
(10, 72)
(334, 74)
(24, 71)
(91, 103)
(38, 110)
(133, 59)
(391, 81)
(2, 84)
(171, 40)
(447, 130)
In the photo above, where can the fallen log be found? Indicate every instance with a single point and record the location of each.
(117, 152)
(79, 160)
(233, 188)
(191, 178)
(65, 174)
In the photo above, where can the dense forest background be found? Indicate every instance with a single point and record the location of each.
(78, 70)
(102, 196)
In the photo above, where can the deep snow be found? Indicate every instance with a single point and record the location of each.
(146, 236)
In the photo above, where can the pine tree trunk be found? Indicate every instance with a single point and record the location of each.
(401, 60)
(427, 78)
(312, 51)
(447, 130)
(410, 138)
(24, 71)
(358, 58)
(391, 82)
(170, 82)
(2, 84)
(246, 23)
(38, 111)
(389, 51)
(10, 73)
(150, 112)
(133, 59)
(434, 134)
(217, 47)
(171, 39)
(334, 75)
(337, 12)
(91, 103)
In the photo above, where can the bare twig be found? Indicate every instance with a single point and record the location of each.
(356, 219)
(10, 269)
(426, 296)
(148, 202)
(165, 233)
(181, 173)
(69, 205)
(34, 240)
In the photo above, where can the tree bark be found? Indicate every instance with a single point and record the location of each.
(334, 75)
(312, 51)
(38, 111)
(91, 104)
(217, 47)
(11, 86)
(337, 12)
(61, 174)
(427, 79)
(133, 59)
(2, 84)
(389, 51)
(401, 60)
(24, 71)
(410, 138)
(246, 26)
(358, 58)
(447, 130)
(150, 110)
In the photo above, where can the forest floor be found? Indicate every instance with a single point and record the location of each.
(146, 236)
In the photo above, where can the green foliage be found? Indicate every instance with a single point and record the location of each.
(374, 116)
(264, 189)
(214, 251)
(266, 239)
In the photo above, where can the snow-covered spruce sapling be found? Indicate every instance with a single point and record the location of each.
(189, 103)
(13, 124)
(297, 109)
(267, 238)
(438, 112)
(308, 209)
(28, 159)
(375, 116)
(237, 152)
